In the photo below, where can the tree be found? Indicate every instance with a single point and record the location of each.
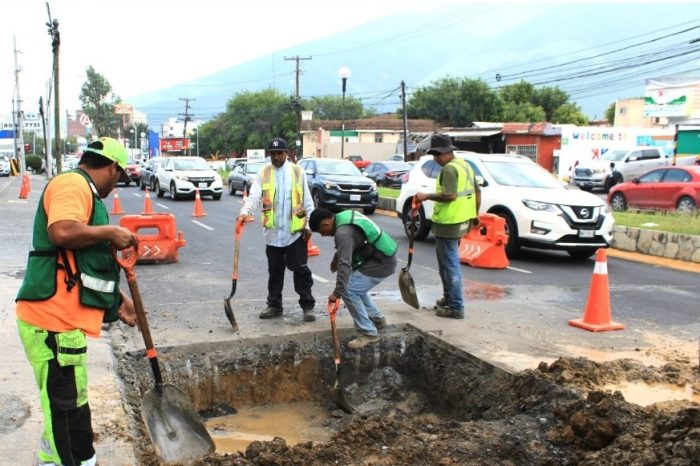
(570, 113)
(330, 107)
(610, 113)
(518, 93)
(550, 99)
(525, 112)
(455, 102)
(98, 103)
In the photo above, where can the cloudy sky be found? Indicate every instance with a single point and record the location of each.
(141, 46)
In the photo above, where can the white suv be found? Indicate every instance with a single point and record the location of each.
(539, 210)
(180, 176)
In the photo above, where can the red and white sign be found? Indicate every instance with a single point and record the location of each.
(85, 120)
(174, 144)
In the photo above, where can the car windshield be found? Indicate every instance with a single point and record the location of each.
(254, 167)
(525, 175)
(614, 155)
(192, 164)
(337, 168)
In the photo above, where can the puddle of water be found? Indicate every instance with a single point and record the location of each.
(643, 394)
(294, 422)
(519, 361)
(607, 356)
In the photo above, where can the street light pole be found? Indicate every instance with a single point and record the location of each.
(197, 136)
(344, 74)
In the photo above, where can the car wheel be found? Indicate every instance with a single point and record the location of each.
(368, 210)
(153, 185)
(582, 253)
(173, 190)
(513, 245)
(156, 188)
(316, 197)
(142, 186)
(686, 204)
(137, 182)
(231, 189)
(216, 197)
(423, 225)
(618, 203)
(127, 183)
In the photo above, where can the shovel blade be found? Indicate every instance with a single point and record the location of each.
(408, 288)
(229, 314)
(175, 429)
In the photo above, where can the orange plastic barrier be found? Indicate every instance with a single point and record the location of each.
(485, 245)
(597, 316)
(159, 248)
(116, 204)
(198, 209)
(312, 250)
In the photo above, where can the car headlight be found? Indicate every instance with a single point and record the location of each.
(540, 206)
(181, 177)
(330, 185)
(373, 186)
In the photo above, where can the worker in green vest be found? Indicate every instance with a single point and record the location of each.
(364, 257)
(457, 199)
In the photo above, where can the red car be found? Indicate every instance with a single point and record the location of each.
(661, 188)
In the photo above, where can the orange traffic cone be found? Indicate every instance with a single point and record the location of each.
(29, 185)
(198, 209)
(312, 250)
(116, 204)
(596, 317)
(23, 188)
(147, 206)
(245, 192)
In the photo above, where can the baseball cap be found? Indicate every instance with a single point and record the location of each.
(111, 149)
(277, 144)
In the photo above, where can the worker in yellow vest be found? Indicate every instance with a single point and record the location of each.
(457, 199)
(281, 193)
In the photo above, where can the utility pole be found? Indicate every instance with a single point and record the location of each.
(187, 117)
(55, 45)
(46, 143)
(405, 121)
(296, 103)
(20, 117)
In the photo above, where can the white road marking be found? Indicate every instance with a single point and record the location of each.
(519, 270)
(202, 225)
(136, 194)
(163, 206)
(12, 201)
(319, 279)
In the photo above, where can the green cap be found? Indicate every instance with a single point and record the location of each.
(111, 149)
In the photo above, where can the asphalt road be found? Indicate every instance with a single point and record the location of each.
(639, 292)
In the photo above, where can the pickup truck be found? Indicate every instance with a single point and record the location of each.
(358, 162)
(629, 164)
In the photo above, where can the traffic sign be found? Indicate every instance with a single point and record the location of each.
(85, 120)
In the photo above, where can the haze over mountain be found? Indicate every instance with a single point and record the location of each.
(476, 42)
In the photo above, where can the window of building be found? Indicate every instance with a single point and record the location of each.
(378, 138)
(622, 111)
(529, 150)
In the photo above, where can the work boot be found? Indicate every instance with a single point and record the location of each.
(379, 322)
(442, 302)
(270, 312)
(309, 315)
(451, 313)
(362, 341)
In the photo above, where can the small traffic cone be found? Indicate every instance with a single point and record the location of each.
(23, 188)
(312, 250)
(116, 204)
(198, 209)
(29, 184)
(597, 317)
(147, 206)
(245, 192)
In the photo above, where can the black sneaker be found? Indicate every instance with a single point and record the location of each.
(451, 313)
(379, 322)
(442, 302)
(271, 312)
(309, 315)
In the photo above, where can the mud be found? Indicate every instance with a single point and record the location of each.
(420, 401)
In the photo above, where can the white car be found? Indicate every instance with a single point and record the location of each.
(181, 176)
(539, 210)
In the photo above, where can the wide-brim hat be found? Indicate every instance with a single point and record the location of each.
(111, 149)
(440, 144)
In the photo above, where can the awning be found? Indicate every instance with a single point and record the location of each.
(474, 134)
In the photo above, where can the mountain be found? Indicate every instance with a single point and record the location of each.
(477, 41)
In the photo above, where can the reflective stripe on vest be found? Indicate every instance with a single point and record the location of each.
(268, 198)
(463, 208)
(97, 284)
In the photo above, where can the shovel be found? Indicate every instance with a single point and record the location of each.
(176, 432)
(406, 283)
(337, 391)
(228, 309)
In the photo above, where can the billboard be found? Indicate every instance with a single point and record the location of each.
(671, 97)
(123, 109)
(174, 144)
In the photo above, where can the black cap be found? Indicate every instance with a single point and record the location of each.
(277, 144)
(440, 144)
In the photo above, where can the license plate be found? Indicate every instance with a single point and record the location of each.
(202, 185)
(586, 233)
(355, 197)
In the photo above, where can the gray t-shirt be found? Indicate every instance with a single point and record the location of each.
(347, 239)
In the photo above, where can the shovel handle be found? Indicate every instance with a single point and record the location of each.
(126, 259)
(332, 309)
(240, 224)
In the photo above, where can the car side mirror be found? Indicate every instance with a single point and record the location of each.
(168, 169)
(635, 180)
(309, 172)
(481, 181)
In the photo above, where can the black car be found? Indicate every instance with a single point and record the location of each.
(338, 184)
(148, 174)
(243, 175)
(389, 174)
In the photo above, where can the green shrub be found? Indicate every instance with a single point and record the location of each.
(33, 162)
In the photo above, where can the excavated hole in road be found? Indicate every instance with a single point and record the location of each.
(417, 400)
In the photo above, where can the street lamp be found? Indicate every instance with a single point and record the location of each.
(344, 74)
(133, 131)
(196, 133)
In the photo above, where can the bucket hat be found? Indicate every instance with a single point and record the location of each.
(440, 143)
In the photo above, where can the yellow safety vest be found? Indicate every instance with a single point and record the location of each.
(268, 199)
(464, 207)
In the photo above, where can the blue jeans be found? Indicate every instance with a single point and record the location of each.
(361, 307)
(447, 250)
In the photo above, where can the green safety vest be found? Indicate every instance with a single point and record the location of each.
(376, 239)
(97, 274)
(464, 207)
(268, 199)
